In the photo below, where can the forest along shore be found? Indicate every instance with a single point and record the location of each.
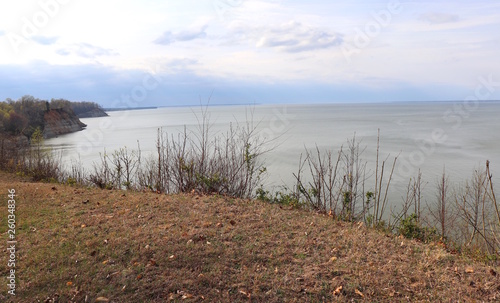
(24, 117)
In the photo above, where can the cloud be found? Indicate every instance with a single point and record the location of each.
(107, 85)
(86, 50)
(436, 18)
(291, 37)
(169, 37)
(182, 63)
(44, 40)
(2, 33)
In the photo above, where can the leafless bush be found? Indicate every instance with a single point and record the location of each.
(41, 163)
(380, 202)
(478, 210)
(195, 160)
(442, 213)
(101, 175)
(411, 203)
(338, 184)
(76, 174)
(323, 192)
(13, 152)
(226, 163)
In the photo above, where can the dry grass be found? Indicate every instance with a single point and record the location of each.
(77, 244)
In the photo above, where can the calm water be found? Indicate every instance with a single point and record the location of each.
(427, 135)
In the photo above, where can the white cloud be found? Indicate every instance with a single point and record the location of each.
(170, 37)
(86, 50)
(44, 40)
(292, 36)
(274, 41)
(436, 18)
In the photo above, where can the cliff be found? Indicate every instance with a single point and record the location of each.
(96, 112)
(59, 122)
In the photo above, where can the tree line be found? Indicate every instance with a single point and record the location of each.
(25, 115)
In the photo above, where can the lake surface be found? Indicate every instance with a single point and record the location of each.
(430, 136)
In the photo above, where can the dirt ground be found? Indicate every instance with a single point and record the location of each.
(77, 244)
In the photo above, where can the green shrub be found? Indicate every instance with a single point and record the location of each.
(410, 228)
(280, 197)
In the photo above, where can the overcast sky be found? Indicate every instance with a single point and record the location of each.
(153, 53)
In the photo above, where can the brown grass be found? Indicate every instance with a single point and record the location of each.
(77, 244)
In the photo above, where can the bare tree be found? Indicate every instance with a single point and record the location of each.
(441, 211)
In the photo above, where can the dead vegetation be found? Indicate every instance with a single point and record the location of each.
(77, 244)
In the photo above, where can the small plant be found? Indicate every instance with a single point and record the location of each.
(346, 206)
(263, 194)
(280, 197)
(411, 229)
(70, 181)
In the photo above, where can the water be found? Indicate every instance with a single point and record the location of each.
(430, 136)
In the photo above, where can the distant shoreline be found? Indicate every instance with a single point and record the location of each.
(295, 104)
(116, 109)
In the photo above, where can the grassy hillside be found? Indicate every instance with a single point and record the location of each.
(88, 245)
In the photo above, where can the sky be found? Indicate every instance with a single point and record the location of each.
(158, 53)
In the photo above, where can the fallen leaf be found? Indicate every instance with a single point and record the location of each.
(469, 270)
(69, 283)
(333, 259)
(359, 293)
(83, 225)
(139, 276)
(102, 299)
(245, 293)
(187, 296)
(337, 291)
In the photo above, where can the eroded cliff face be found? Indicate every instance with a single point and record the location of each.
(59, 122)
(96, 112)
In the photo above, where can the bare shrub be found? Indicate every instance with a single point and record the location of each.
(478, 211)
(380, 202)
(194, 160)
(40, 162)
(101, 175)
(411, 203)
(323, 192)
